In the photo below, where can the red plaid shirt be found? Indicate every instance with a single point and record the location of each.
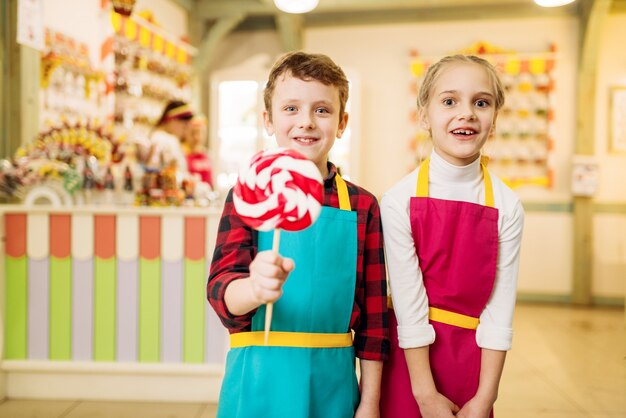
(236, 247)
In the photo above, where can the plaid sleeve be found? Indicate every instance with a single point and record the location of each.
(235, 249)
(371, 339)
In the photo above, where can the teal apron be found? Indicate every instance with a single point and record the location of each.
(307, 370)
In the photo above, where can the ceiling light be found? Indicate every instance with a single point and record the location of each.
(553, 3)
(296, 6)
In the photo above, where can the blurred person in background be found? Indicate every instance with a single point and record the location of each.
(165, 149)
(194, 147)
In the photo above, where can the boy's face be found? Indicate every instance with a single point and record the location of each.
(305, 118)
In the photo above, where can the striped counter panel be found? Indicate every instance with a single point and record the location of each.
(98, 287)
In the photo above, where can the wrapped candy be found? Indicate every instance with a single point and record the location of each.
(281, 189)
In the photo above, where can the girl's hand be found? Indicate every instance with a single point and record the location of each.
(367, 410)
(475, 408)
(437, 406)
(268, 273)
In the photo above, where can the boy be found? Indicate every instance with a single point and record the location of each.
(338, 285)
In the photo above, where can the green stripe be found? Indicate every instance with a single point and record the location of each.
(60, 308)
(16, 296)
(608, 301)
(616, 208)
(149, 309)
(568, 207)
(104, 309)
(548, 207)
(566, 299)
(543, 298)
(194, 301)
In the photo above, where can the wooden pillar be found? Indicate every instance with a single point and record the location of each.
(593, 18)
(19, 85)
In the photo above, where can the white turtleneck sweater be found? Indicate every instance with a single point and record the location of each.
(410, 301)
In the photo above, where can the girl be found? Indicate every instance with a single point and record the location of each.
(452, 239)
(198, 161)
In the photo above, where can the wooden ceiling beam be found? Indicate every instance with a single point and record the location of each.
(221, 28)
(188, 5)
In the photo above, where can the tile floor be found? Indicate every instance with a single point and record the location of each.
(565, 363)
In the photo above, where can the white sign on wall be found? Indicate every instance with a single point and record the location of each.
(30, 30)
(585, 176)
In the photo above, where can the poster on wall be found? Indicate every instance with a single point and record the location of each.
(520, 152)
(30, 30)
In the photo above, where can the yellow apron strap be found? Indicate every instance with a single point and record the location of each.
(488, 186)
(291, 339)
(342, 191)
(422, 182)
(422, 179)
(453, 318)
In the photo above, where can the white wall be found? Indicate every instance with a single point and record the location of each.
(79, 19)
(380, 55)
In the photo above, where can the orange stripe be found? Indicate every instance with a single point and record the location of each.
(60, 236)
(104, 235)
(149, 237)
(524, 66)
(15, 226)
(194, 238)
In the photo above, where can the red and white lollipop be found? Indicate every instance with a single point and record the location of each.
(281, 189)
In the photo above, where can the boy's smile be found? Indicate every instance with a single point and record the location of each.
(305, 117)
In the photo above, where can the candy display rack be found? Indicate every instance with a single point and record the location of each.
(71, 88)
(150, 67)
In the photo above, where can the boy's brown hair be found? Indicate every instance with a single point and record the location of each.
(307, 67)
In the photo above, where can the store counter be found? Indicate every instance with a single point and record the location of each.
(112, 294)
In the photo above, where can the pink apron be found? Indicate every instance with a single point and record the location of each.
(457, 246)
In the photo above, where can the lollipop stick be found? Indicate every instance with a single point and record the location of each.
(269, 308)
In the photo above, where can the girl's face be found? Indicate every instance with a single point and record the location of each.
(195, 134)
(461, 113)
(305, 118)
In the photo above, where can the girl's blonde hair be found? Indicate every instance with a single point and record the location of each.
(435, 70)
